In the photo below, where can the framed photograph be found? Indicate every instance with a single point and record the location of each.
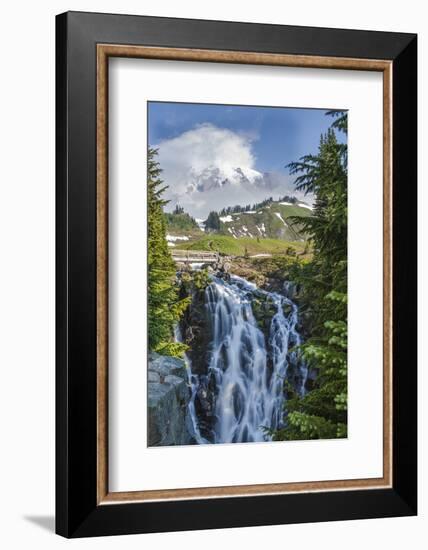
(236, 274)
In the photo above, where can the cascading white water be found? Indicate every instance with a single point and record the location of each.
(283, 336)
(238, 363)
(249, 370)
(250, 395)
(192, 381)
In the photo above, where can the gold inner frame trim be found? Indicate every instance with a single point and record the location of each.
(104, 51)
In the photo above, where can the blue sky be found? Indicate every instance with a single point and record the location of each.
(206, 143)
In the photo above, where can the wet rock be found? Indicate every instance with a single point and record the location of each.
(290, 290)
(196, 327)
(168, 397)
(153, 376)
(263, 310)
(287, 308)
(166, 365)
(204, 405)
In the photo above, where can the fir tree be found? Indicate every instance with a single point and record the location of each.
(178, 210)
(213, 222)
(322, 413)
(165, 309)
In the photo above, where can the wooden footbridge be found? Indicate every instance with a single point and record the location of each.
(195, 257)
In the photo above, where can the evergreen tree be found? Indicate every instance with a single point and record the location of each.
(179, 220)
(178, 210)
(164, 308)
(322, 413)
(213, 222)
(341, 123)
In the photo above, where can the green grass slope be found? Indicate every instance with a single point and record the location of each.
(271, 221)
(242, 246)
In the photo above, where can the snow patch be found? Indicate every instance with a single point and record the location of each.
(231, 231)
(303, 205)
(261, 229)
(201, 223)
(173, 238)
(226, 219)
(278, 215)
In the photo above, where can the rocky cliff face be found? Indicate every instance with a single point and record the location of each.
(169, 421)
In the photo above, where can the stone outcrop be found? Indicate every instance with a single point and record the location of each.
(169, 422)
(197, 331)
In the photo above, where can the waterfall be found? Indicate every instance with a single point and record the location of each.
(250, 393)
(238, 363)
(193, 382)
(283, 336)
(247, 367)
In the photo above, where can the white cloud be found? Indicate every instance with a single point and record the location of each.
(207, 168)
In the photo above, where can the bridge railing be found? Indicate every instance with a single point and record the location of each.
(188, 255)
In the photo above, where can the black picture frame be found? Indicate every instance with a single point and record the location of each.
(77, 511)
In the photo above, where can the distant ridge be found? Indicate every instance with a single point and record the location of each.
(269, 219)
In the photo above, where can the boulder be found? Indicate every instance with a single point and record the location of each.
(153, 376)
(168, 398)
(165, 365)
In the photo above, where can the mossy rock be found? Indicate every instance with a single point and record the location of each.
(263, 310)
(287, 308)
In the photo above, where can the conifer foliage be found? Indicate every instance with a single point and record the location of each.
(322, 412)
(165, 307)
(212, 222)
